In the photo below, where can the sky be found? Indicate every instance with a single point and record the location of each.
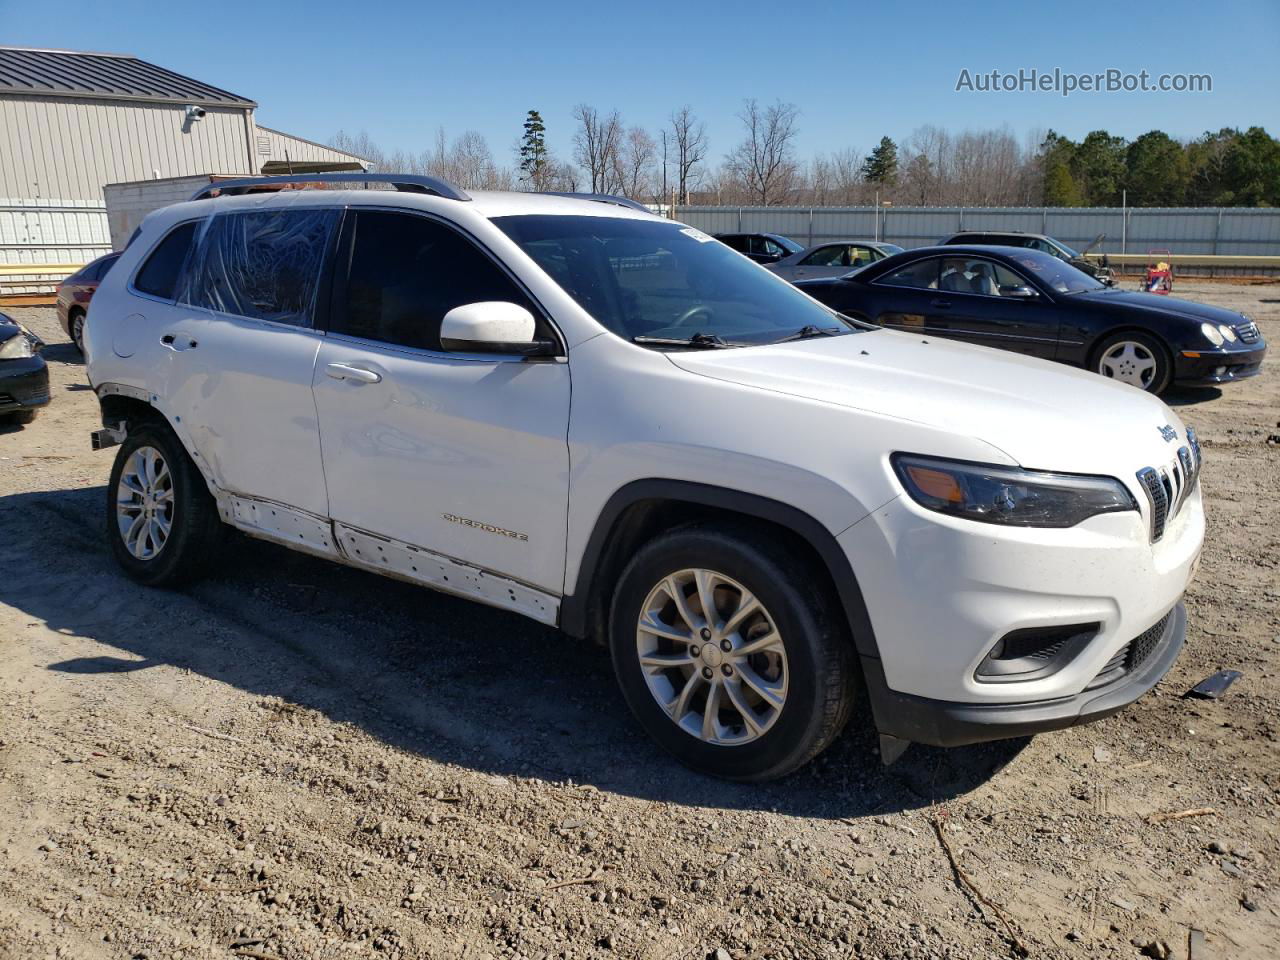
(400, 69)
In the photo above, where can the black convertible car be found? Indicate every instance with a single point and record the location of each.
(1033, 303)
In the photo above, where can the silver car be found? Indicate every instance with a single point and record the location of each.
(832, 259)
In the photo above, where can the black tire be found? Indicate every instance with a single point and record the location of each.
(22, 417)
(195, 530)
(75, 326)
(1163, 375)
(819, 658)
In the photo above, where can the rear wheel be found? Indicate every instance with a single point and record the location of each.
(728, 654)
(76, 321)
(162, 522)
(22, 417)
(1135, 358)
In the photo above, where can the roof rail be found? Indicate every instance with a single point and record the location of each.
(601, 198)
(405, 182)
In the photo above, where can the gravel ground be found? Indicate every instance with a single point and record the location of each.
(295, 760)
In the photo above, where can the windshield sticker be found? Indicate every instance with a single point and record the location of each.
(697, 234)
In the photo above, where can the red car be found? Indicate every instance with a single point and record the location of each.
(74, 294)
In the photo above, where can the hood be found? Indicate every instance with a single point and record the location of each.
(1043, 415)
(1169, 306)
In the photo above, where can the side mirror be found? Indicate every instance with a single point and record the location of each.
(1019, 293)
(492, 326)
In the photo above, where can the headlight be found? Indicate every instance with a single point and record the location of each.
(1211, 333)
(1016, 498)
(1227, 332)
(16, 347)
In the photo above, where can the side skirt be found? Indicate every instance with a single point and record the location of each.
(321, 537)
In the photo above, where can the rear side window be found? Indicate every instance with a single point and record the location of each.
(159, 275)
(922, 275)
(264, 265)
(406, 273)
(734, 241)
(834, 256)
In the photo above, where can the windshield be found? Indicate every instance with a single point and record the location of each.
(656, 279)
(891, 248)
(1054, 273)
(786, 242)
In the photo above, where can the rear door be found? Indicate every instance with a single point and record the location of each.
(466, 456)
(830, 260)
(240, 345)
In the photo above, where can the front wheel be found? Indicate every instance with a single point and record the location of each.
(1135, 358)
(729, 654)
(162, 522)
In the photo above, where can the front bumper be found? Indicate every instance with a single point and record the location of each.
(24, 384)
(948, 724)
(1210, 367)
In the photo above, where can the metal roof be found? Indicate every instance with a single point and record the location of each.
(115, 76)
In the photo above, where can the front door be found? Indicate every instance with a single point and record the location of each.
(991, 305)
(466, 456)
(240, 350)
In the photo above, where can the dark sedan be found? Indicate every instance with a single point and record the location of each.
(1033, 303)
(24, 378)
(74, 294)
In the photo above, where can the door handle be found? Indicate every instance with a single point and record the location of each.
(345, 371)
(178, 342)
(940, 304)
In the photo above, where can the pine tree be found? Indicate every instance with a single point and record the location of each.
(882, 165)
(533, 151)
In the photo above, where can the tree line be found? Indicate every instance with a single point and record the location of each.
(930, 167)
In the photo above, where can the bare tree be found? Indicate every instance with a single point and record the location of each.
(636, 159)
(836, 179)
(689, 137)
(765, 160)
(596, 146)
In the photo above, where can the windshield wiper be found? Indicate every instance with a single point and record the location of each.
(701, 341)
(809, 330)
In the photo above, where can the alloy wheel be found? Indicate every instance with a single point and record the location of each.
(144, 503)
(77, 331)
(712, 657)
(1129, 362)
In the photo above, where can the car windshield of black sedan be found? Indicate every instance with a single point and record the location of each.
(1054, 273)
(655, 279)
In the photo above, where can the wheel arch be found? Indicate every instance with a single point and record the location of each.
(1096, 341)
(643, 509)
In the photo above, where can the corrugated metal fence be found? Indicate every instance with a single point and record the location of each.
(48, 232)
(1185, 230)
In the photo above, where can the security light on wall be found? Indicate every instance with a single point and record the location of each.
(195, 113)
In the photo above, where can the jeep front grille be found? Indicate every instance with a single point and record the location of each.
(1168, 487)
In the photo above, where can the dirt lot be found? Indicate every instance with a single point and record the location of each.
(296, 760)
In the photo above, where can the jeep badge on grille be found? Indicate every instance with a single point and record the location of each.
(1168, 433)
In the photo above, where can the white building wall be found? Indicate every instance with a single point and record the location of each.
(62, 149)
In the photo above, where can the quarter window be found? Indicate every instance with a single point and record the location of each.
(264, 265)
(159, 275)
(406, 273)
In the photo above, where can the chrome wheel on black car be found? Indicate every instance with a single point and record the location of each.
(1135, 358)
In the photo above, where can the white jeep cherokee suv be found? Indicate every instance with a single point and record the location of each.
(610, 422)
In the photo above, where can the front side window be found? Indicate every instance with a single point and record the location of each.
(163, 268)
(921, 275)
(406, 273)
(983, 277)
(263, 264)
(653, 278)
